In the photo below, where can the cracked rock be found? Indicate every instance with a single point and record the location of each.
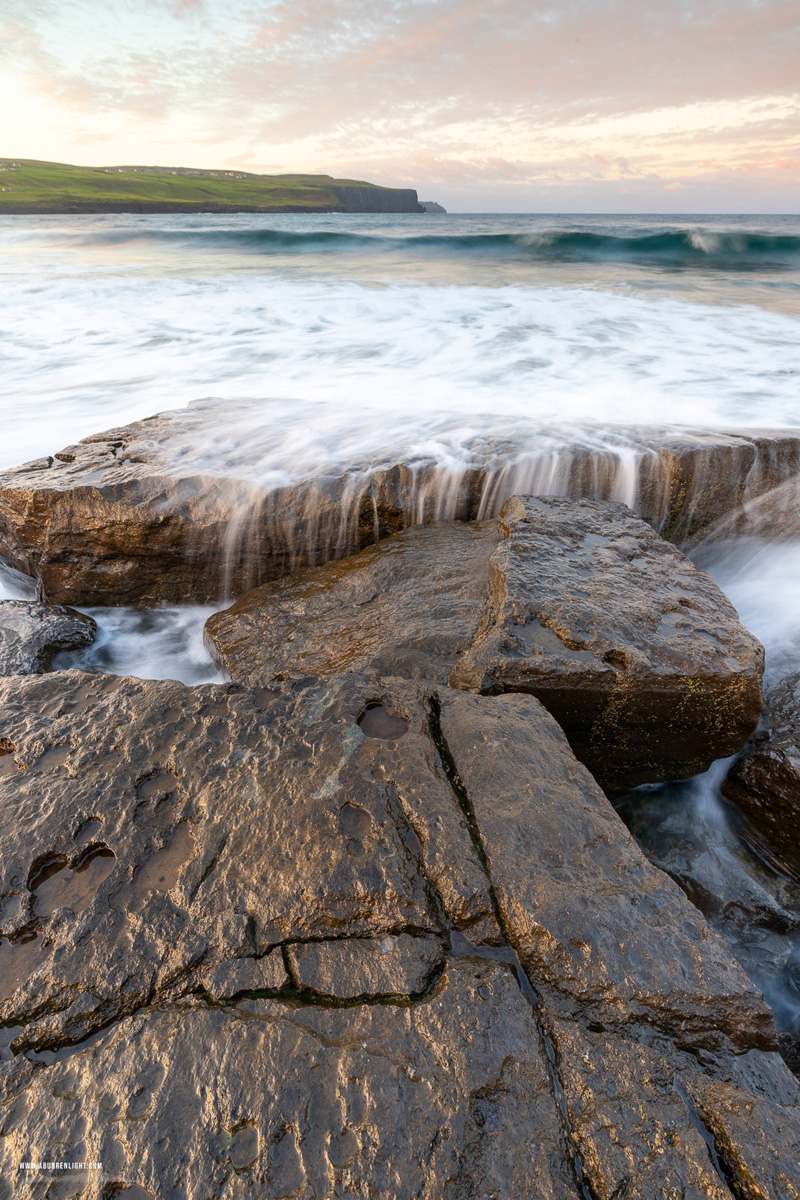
(649, 1124)
(446, 1097)
(361, 967)
(490, 991)
(609, 934)
(224, 822)
(636, 652)
(234, 976)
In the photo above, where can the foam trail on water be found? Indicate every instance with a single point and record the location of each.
(356, 372)
(161, 643)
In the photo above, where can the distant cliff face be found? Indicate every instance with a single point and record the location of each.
(378, 199)
(432, 207)
(39, 187)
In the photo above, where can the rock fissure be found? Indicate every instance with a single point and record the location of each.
(510, 955)
(459, 791)
(717, 1161)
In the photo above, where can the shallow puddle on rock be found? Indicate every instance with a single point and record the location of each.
(7, 1035)
(160, 871)
(8, 764)
(88, 831)
(18, 960)
(54, 758)
(160, 783)
(59, 885)
(377, 721)
(355, 821)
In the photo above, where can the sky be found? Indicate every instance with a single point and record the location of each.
(483, 105)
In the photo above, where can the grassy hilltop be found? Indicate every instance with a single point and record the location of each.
(28, 186)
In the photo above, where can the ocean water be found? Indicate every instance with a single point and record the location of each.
(365, 336)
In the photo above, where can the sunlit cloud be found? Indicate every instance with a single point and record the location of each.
(505, 102)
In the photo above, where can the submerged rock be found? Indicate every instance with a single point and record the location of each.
(32, 634)
(329, 954)
(764, 782)
(637, 654)
(166, 510)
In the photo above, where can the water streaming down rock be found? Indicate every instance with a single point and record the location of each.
(212, 500)
(679, 481)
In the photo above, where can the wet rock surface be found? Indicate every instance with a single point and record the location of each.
(164, 509)
(310, 959)
(32, 634)
(638, 654)
(407, 606)
(363, 967)
(764, 782)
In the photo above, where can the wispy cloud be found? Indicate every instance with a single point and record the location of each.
(503, 93)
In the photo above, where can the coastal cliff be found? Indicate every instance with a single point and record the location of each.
(28, 186)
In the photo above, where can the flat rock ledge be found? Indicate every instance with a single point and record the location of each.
(636, 652)
(157, 510)
(356, 937)
(32, 634)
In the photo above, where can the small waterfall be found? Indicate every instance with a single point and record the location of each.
(684, 483)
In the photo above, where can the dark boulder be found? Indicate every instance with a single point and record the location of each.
(32, 634)
(764, 782)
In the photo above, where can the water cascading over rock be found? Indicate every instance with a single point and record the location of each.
(164, 510)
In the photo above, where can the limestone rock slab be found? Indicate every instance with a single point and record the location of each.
(446, 1098)
(232, 977)
(188, 505)
(648, 1123)
(409, 605)
(604, 932)
(151, 831)
(636, 652)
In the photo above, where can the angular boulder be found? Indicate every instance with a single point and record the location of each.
(764, 782)
(409, 605)
(205, 502)
(32, 634)
(636, 652)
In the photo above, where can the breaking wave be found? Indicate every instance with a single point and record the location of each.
(674, 248)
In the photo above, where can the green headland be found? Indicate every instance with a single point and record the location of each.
(28, 186)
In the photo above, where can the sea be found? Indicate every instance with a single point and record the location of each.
(375, 338)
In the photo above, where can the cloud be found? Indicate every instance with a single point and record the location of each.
(503, 90)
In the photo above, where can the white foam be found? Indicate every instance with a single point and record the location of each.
(356, 371)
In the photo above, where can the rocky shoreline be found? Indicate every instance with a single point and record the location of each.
(362, 921)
